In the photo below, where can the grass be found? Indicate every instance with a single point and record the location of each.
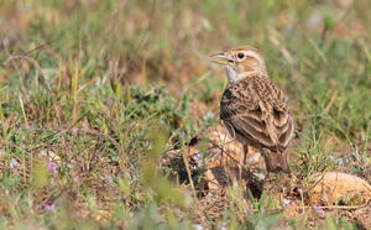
(94, 93)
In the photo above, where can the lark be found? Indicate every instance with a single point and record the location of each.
(253, 109)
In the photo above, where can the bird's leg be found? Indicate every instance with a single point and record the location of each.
(240, 165)
(268, 176)
(264, 152)
(245, 152)
(243, 163)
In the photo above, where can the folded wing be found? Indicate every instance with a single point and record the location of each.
(255, 109)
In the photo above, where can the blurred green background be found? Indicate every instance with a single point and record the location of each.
(101, 90)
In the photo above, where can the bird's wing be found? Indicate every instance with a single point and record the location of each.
(256, 109)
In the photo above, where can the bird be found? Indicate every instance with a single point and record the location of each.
(253, 109)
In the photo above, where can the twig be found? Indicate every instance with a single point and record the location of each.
(331, 101)
(350, 207)
(341, 207)
(185, 160)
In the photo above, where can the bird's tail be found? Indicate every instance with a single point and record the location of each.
(276, 161)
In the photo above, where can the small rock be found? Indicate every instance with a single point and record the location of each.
(330, 187)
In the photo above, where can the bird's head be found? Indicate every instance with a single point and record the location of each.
(240, 61)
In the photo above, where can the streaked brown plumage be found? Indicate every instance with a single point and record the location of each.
(253, 109)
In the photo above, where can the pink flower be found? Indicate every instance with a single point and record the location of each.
(50, 207)
(319, 210)
(53, 167)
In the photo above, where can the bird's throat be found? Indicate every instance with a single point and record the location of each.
(235, 76)
(232, 74)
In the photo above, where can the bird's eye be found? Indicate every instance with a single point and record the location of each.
(241, 55)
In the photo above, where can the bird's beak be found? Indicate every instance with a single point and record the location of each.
(221, 58)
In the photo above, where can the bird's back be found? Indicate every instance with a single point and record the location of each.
(255, 110)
